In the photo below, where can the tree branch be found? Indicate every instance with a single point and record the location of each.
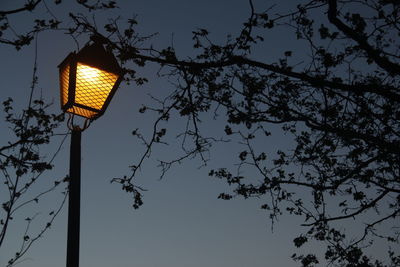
(27, 7)
(373, 53)
(362, 208)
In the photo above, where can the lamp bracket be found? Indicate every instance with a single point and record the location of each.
(74, 127)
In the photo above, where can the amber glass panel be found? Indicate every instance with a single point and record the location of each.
(93, 86)
(64, 84)
(82, 112)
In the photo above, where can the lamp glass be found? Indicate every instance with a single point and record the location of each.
(64, 82)
(93, 86)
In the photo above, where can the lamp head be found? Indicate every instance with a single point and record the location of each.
(88, 81)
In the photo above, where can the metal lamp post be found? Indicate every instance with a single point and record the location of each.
(88, 81)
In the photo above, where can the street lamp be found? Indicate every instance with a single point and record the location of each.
(88, 81)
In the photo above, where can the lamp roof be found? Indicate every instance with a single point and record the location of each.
(96, 56)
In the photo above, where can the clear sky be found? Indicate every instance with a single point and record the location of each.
(182, 223)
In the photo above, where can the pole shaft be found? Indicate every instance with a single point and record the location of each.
(74, 200)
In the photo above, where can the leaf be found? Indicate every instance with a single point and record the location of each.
(228, 130)
(299, 241)
(243, 155)
(288, 53)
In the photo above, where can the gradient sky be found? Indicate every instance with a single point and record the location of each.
(182, 223)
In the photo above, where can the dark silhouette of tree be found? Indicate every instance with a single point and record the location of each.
(339, 101)
(31, 130)
(22, 165)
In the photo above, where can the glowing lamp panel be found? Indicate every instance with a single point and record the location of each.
(82, 112)
(64, 84)
(93, 86)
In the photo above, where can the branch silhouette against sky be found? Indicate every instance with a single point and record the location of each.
(291, 106)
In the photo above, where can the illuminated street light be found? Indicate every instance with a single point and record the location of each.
(88, 81)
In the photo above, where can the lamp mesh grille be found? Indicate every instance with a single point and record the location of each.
(82, 112)
(93, 86)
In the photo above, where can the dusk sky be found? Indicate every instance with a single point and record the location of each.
(182, 223)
